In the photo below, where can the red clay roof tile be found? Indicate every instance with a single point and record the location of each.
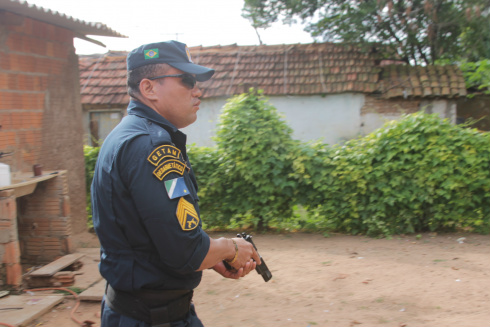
(298, 69)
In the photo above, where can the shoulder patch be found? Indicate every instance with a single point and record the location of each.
(163, 151)
(187, 215)
(169, 166)
(176, 188)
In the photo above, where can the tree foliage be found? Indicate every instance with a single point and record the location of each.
(419, 31)
(477, 76)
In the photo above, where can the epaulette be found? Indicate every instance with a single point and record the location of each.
(158, 135)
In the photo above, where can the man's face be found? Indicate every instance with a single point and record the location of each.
(176, 102)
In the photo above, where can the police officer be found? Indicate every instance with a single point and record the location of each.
(145, 203)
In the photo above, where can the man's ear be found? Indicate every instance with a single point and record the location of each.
(147, 90)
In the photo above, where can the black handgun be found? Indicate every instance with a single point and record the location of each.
(262, 268)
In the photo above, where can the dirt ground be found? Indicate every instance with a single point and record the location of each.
(432, 280)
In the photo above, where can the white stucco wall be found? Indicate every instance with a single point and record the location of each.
(202, 131)
(331, 119)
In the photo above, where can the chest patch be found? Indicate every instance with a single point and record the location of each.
(176, 188)
(187, 215)
(162, 152)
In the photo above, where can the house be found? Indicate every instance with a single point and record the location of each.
(327, 91)
(43, 201)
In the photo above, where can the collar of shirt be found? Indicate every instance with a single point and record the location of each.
(141, 110)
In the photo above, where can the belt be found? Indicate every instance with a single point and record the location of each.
(157, 308)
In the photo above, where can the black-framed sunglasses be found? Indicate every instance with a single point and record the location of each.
(187, 79)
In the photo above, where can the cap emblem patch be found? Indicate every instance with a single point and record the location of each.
(151, 54)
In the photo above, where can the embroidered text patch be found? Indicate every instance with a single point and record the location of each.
(167, 167)
(163, 151)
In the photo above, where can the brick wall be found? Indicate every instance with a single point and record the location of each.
(40, 110)
(478, 109)
(43, 222)
(34, 228)
(397, 106)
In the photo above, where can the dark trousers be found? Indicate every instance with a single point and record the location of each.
(110, 318)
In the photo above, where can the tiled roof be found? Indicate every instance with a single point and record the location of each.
(435, 81)
(300, 69)
(103, 79)
(24, 8)
(297, 69)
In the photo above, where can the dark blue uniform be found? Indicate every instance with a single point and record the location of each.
(145, 208)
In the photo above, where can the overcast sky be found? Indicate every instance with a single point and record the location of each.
(194, 22)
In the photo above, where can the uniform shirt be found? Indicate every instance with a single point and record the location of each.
(149, 240)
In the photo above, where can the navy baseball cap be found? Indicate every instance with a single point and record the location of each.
(173, 53)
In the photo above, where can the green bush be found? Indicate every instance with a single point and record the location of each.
(90, 153)
(417, 174)
(249, 179)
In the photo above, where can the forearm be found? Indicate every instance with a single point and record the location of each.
(219, 249)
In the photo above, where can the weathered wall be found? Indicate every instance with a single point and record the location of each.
(377, 111)
(43, 221)
(331, 119)
(10, 267)
(99, 121)
(478, 109)
(40, 110)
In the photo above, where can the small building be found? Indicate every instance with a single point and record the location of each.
(40, 125)
(326, 91)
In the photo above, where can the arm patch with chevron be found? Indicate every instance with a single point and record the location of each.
(187, 215)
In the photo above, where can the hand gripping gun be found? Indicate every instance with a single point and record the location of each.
(262, 268)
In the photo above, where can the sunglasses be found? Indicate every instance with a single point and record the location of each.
(187, 79)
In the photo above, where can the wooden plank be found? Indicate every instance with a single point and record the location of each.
(23, 180)
(30, 307)
(52, 268)
(94, 292)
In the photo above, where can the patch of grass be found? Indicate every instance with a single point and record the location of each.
(77, 290)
